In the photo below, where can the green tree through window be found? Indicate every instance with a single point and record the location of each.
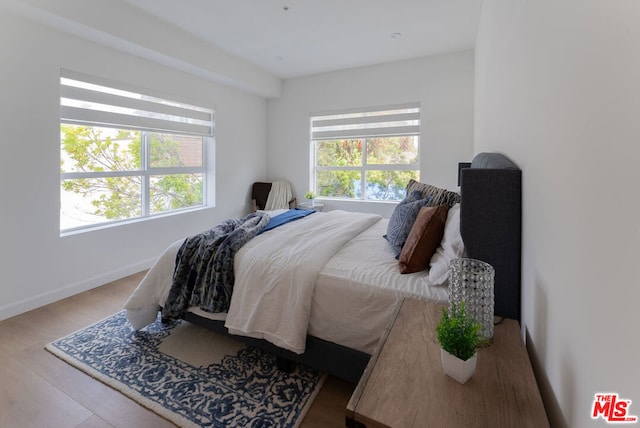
(126, 153)
(368, 155)
(107, 169)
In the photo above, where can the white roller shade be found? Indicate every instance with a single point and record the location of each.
(380, 122)
(88, 100)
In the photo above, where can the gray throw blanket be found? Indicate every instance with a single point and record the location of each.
(203, 274)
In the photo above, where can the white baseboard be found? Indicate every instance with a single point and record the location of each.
(17, 308)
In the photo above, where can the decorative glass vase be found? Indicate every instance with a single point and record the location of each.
(471, 282)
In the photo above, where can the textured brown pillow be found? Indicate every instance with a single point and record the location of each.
(424, 238)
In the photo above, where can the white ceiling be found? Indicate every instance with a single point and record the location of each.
(253, 44)
(315, 36)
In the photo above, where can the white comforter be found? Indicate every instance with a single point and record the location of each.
(353, 295)
(275, 277)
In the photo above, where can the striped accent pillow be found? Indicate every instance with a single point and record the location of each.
(439, 196)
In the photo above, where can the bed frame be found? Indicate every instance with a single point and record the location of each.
(490, 224)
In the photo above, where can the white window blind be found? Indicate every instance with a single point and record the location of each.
(367, 154)
(90, 100)
(379, 122)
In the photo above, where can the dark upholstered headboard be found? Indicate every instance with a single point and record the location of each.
(491, 224)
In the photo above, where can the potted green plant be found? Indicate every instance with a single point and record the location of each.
(310, 196)
(459, 336)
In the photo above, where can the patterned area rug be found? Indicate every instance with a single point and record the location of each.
(191, 376)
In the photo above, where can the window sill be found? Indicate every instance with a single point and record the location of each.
(119, 223)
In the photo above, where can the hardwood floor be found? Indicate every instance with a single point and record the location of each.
(39, 390)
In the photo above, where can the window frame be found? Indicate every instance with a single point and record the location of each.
(364, 134)
(184, 126)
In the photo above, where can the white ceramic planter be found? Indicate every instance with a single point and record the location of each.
(456, 368)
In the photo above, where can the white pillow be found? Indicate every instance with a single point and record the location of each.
(450, 248)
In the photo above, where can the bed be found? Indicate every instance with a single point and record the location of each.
(354, 282)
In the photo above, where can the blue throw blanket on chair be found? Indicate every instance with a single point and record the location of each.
(203, 274)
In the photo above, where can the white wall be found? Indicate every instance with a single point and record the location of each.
(38, 266)
(126, 28)
(557, 89)
(443, 84)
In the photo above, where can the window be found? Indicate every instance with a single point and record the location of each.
(126, 155)
(367, 154)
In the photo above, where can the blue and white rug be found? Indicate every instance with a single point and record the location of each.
(191, 376)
